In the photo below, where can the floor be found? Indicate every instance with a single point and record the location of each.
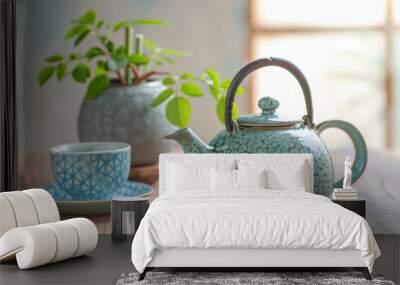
(103, 266)
(110, 260)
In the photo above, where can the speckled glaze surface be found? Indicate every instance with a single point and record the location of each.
(301, 140)
(122, 113)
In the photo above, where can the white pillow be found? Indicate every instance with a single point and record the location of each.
(251, 178)
(227, 179)
(188, 177)
(193, 174)
(223, 179)
(289, 174)
(293, 180)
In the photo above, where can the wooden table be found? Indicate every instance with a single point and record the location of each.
(357, 206)
(138, 205)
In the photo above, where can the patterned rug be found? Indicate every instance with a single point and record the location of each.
(243, 278)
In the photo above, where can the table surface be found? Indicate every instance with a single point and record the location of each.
(111, 259)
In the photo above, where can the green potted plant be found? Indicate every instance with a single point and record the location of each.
(133, 94)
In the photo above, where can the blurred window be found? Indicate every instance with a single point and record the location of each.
(348, 50)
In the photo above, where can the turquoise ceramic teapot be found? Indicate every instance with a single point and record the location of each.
(269, 132)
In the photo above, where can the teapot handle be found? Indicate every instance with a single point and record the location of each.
(360, 148)
(263, 62)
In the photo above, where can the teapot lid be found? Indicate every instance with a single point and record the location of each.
(268, 117)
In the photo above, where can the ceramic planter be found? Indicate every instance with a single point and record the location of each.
(122, 114)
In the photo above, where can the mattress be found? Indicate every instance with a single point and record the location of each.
(250, 219)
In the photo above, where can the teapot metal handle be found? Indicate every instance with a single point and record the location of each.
(263, 62)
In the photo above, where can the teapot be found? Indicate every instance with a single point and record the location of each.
(270, 132)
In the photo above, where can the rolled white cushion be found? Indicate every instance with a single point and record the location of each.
(67, 240)
(87, 235)
(7, 218)
(45, 205)
(23, 208)
(41, 244)
(33, 246)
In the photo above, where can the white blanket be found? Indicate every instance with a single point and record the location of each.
(250, 219)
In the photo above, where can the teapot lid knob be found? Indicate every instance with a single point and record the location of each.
(268, 104)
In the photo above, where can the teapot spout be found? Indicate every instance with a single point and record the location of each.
(189, 141)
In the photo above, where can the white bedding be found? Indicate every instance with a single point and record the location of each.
(250, 218)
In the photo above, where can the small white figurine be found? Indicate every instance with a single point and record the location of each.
(347, 173)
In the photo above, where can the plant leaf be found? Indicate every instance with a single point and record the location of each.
(94, 52)
(118, 52)
(112, 64)
(173, 52)
(45, 74)
(191, 89)
(215, 92)
(88, 18)
(235, 112)
(110, 46)
(99, 24)
(55, 58)
(116, 63)
(165, 59)
(213, 75)
(76, 31)
(240, 90)
(73, 56)
(178, 111)
(61, 70)
(220, 109)
(98, 85)
(81, 37)
(169, 80)
(186, 75)
(103, 39)
(163, 96)
(227, 82)
(81, 73)
(151, 22)
(150, 45)
(121, 24)
(100, 68)
(138, 59)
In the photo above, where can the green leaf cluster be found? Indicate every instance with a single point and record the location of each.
(218, 89)
(136, 60)
(180, 88)
(107, 58)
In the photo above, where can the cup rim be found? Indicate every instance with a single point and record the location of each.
(72, 149)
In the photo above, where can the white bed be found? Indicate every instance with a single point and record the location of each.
(249, 227)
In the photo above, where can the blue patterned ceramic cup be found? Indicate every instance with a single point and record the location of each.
(91, 171)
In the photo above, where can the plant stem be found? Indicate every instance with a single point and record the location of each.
(139, 44)
(120, 77)
(134, 70)
(147, 75)
(128, 51)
